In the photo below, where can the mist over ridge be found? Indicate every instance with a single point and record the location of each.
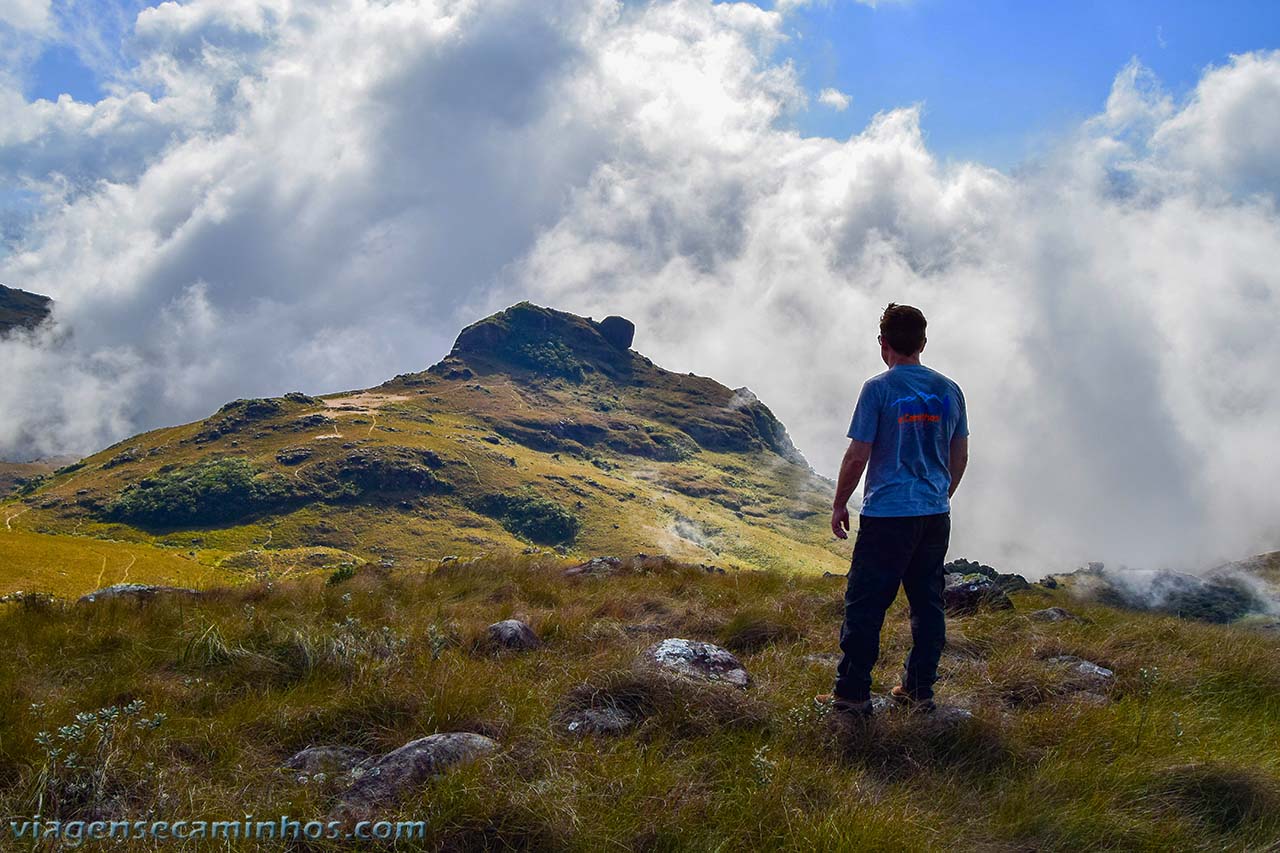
(265, 220)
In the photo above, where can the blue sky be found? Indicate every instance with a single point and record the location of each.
(998, 79)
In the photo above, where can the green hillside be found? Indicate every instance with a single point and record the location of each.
(540, 429)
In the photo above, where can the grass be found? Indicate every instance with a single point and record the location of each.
(626, 458)
(1181, 757)
(70, 566)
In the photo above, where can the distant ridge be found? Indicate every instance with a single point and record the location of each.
(22, 310)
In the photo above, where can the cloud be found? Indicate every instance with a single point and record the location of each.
(835, 99)
(25, 15)
(317, 196)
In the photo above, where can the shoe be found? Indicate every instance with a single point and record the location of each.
(862, 710)
(904, 698)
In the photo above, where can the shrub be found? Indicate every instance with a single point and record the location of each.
(209, 492)
(341, 574)
(534, 517)
(93, 761)
(551, 357)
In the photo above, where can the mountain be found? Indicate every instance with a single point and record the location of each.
(540, 429)
(22, 310)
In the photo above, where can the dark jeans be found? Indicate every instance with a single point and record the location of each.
(907, 550)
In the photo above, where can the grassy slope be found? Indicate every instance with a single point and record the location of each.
(749, 509)
(1181, 758)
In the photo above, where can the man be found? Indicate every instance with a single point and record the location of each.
(910, 433)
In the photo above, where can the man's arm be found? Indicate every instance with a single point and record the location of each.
(851, 468)
(959, 461)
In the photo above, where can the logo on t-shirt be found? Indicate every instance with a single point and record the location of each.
(922, 408)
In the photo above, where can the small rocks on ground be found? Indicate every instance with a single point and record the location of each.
(599, 721)
(696, 660)
(513, 634)
(385, 780)
(135, 591)
(1054, 614)
(595, 566)
(1085, 675)
(965, 594)
(325, 761)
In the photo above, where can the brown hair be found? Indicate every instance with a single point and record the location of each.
(902, 327)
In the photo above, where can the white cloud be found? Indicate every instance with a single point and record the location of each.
(26, 15)
(835, 99)
(318, 196)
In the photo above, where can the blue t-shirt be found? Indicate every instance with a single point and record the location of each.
(908, 414)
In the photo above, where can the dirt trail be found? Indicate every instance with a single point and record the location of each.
(364, 402)
(10, 517)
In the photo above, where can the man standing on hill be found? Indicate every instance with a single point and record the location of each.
(910, 433)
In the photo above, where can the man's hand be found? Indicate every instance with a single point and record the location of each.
(840, 522)
(851, 468)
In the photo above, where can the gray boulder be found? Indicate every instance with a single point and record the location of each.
(317, 762)
(1053, 614)
(966, 594)
(599, 721)
(595, 566)
(513, 634)
(136, 592)
(696, 660)
(618, 331)
(385, 780)
(1084, 675)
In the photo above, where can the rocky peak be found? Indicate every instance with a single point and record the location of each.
(546, 341)
(531, 342)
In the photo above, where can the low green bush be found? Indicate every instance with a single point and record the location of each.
(211, 491)
(532, 516)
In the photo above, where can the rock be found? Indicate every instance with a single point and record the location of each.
(1012, 583)
(696, 660)
(1094, 700)
(331, 761)
(1048, 582)
(136, 591)
(595, 566)
(618, 331)
(1053, 614)
(1006, 582)
(949, 715)
(969, 567)
(599, 721)
(835, 575)
(293, 455)
(1085, 675)
(964, 594)
(30, 600)
(828, 659)
(513, 634)
(385, 780)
